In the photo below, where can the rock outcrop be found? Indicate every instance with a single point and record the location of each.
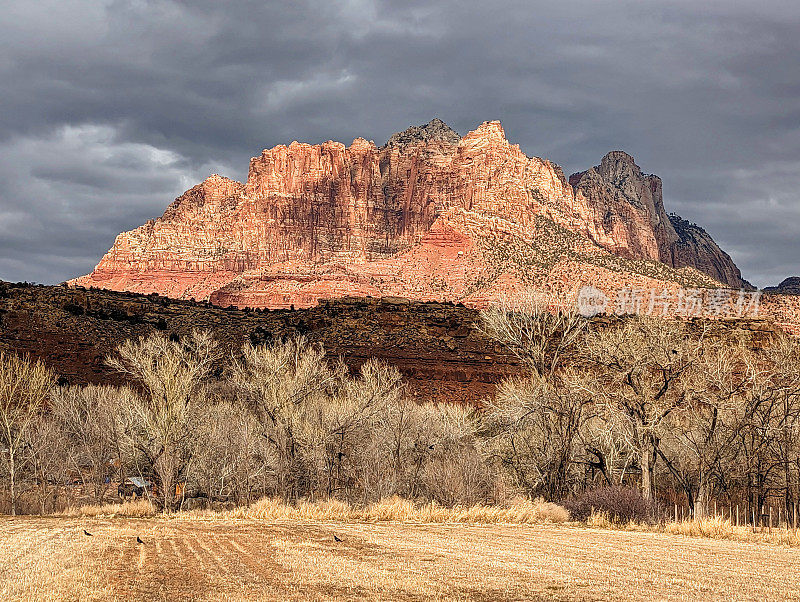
(790, 286)
(435, 129)
(628, 218)
(430, 216)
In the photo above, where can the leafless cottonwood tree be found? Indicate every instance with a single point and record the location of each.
(87, 417)
(347, 421)
(47, 451)
(532, 427)
(699, 442)
(453, 470)
(421, 450)
(639, 378)
(357, 437)
(537, 333)
(280, 384)
(783, 357)
(160, 424)
(24, 387)
(231, 464)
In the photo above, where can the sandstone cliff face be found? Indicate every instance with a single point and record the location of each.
(430, 216)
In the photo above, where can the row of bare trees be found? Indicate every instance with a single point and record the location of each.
(670, 407)
(281, 420)
(684, 413)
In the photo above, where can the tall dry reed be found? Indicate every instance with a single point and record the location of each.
(395, 509)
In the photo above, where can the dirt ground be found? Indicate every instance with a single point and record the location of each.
(52, 559)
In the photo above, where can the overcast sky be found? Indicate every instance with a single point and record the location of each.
(110, 109)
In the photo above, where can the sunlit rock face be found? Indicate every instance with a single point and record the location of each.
(430, 215)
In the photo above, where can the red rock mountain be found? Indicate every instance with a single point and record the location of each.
(428, 216)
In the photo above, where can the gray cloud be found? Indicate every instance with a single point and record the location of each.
(110, 109)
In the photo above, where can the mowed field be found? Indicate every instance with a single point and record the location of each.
(183, 559)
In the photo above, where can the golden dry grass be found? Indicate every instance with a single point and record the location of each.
(137, 508)
(719, 528)
(395, 509)
(243, 559)
(712, 527)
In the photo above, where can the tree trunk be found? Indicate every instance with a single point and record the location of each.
(647, 486)
(13, 475)
(701, 507)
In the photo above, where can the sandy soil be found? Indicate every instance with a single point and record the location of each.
(52, 559)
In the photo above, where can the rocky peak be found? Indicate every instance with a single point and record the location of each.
(435, 129)
(616, 161)
(212, 193)
(362, 144)
(489, 140)
(488, 130)
(216, 188)
(629, 219)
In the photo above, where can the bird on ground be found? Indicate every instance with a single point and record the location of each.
(336, 538)
(85, 532)
(139, 539)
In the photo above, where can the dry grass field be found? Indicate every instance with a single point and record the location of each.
(216, 559)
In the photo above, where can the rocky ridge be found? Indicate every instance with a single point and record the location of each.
(431, 216)
(439, 347)
(628, 219)
(790, 286)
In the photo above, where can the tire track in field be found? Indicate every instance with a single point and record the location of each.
(211, 557)
(188, 540)
(238, 554)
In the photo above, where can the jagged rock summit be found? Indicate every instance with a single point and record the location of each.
(628, 218)
(430, 215)
(435, 129)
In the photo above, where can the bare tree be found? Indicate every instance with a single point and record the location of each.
(160, 424)
(231, 462)
(333, 434)
(24, 387)
(536, 330)
(783, 357)
(638, 377)
(342, 427)
(697, 443)
(87, 417)
(47, 450)
(532, 427)
(279, 384)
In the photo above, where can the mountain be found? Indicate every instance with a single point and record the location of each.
(430, 216)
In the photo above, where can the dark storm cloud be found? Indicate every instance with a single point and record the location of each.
(111, 109)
